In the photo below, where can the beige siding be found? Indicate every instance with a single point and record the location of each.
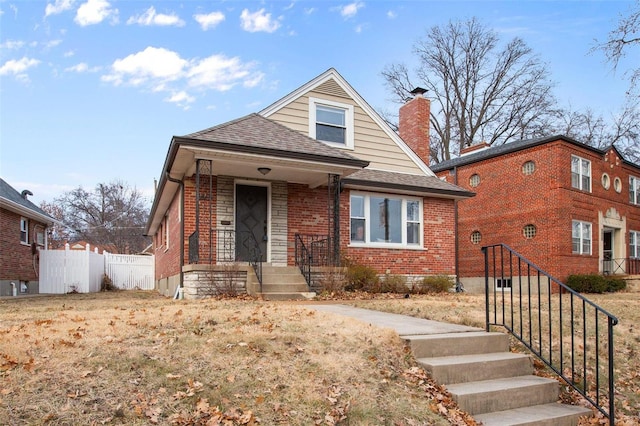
(371, 142)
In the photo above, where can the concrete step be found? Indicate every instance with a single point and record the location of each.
(488, 396)
(287, 296)
(449, 344)
(553, 414)
(476, 367)
(279, 288)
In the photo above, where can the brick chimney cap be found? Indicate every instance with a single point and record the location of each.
(418, 91)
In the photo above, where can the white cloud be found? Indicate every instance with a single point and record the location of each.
(209, 20)
(12, 44)
(150, 64)
(69, 53)
(258, 21)
(391, 14)
(159, 70)
(82, 67)
(52, 43)
(18, 67)
(309, 11)
(350, 10)
(219, 72)
(94, 12)
(150, 17)
(181, 99)
(58, 6)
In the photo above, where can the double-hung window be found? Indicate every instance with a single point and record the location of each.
(634, 190)
(331, 122)
(581, 237)
(24, 230)
(634, 244)
(386, 220)
(580, 173)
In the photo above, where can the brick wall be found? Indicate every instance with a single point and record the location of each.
(16, 261)
(167, 256)
(506, 200)
(308, 215)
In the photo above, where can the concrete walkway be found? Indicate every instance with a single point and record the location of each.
(404, 325)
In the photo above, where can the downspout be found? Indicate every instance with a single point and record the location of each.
(181, 185)
(455, 225)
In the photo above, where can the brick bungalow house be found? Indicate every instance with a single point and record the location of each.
(289, 190)
(567, 207)
(23, 232)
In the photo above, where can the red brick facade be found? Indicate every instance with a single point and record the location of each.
(16, 260)
(508, 199)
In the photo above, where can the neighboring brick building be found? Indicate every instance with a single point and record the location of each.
(23, 232)
(567, 207)
(316, 175)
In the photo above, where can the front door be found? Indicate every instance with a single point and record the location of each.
(607, 251)
(251, 223)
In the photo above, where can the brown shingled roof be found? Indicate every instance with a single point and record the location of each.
(257, 131)
(406, 182)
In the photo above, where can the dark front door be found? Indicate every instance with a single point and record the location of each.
(251, 223)
(607, 251)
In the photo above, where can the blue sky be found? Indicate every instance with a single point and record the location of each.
(93, 90)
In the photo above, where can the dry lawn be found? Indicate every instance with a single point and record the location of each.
(137, 358)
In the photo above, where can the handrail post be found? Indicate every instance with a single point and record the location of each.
(486, 285)
(610, 324)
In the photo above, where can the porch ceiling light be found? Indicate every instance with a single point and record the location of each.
(264, 170)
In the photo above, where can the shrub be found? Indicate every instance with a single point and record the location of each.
(592, 283)
(332, 282)
(361, 277)
(391, 283)
(433, 284)
(107, 284)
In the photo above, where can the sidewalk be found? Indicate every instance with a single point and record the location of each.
(404, 325)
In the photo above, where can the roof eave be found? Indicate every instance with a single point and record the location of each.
(27, 212)
(407, 189)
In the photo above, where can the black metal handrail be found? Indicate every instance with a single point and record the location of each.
(531, 305)
(629, 265)
(312, 250)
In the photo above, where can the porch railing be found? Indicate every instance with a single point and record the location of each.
(572, 335)
(630, 266)
(312, 250)
(224, 247)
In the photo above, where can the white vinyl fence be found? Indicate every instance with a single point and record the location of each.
(64, 271)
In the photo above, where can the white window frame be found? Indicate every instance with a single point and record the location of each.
(634, 244)
(403, 212)
(579, 173)
(24, 230)
(634, 190)
(581, 240)
(348, 120)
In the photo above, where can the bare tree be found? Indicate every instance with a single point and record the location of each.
(622, 39)
(58, 233)
(479, 90)
(112, 214)
(622, 130)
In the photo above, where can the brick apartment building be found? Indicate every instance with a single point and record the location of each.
(567, 207)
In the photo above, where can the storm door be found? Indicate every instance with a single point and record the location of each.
(251, 223)
(607, 251)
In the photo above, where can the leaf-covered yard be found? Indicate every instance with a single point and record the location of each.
(138, 358)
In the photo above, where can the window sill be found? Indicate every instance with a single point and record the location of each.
(386, 246)
(24, 244)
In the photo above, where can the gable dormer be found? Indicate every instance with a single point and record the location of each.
(328, 109)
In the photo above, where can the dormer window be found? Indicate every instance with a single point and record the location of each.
(331, 122)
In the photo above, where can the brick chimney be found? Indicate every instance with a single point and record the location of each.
(414, 123)
(474, 148)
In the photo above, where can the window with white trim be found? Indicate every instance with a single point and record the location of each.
(331, 122)
(580, 173)
(581, 237)
(166, 232)
(386, 220)
(634, 244)
(24, 230)
(634, 190)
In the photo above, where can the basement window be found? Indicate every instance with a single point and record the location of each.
(503, 283)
